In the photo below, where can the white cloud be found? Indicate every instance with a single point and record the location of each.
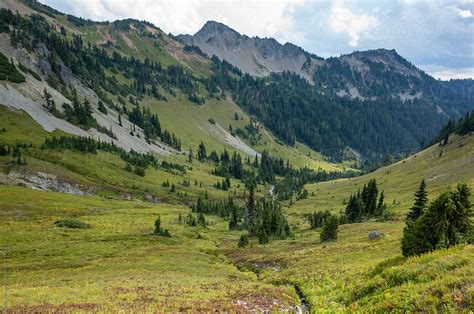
(464, 13)
(252, 17)
(446, 73)
(342, 20)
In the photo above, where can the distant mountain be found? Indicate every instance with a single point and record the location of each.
(364, 75)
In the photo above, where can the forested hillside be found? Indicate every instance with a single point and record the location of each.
(132, 63)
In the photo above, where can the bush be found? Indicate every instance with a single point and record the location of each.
(244, 241)
(71, 223)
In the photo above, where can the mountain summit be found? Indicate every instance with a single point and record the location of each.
(253, 55)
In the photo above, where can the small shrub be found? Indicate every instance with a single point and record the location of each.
(71, 223)
(159, 231)
(244, 241)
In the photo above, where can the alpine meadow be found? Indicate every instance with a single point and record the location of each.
(151, 171)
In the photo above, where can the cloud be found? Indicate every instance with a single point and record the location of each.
(342, 20)
(464, 13)
(252, 17)
(446, 73)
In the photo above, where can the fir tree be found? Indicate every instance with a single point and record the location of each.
(250, 209)
(202, 155)
(419, 206)
(330, 229)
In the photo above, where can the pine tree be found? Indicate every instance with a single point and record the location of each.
(419, 206)
(190, 156)
(444, 223)
(202, 155)
(201, 220)
(330, 229)
(250, 209)
(234, 219)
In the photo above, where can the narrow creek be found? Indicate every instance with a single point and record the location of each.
(304, 307)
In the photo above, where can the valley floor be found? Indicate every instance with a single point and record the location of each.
(117, 264)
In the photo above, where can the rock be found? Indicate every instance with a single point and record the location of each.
(373, 235)
(43, 181)
(127, 197)
(151, 198)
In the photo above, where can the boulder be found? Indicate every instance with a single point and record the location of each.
(373, 235)
(151, 198)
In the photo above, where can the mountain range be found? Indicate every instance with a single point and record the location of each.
(366, 104)
(364, 75)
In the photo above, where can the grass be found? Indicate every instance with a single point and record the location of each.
(117, 263)
(399, 180)
(190, 123)
(356, 274)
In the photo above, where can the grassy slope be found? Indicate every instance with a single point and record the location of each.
(190, 123)
(118, 264)
(104, 171)
(439, 166)
(354, 273)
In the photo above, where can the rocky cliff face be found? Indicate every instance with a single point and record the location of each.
(255, 56)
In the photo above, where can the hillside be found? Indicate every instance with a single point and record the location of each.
(174, 273)
(145, 42)
(94, 60)
(378, 277)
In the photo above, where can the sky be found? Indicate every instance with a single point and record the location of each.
(437, 36)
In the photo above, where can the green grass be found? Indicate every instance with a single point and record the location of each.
(190, 123)
(117, 263)
(356, 274)
(400, 180)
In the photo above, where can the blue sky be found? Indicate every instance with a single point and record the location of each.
(437, 36)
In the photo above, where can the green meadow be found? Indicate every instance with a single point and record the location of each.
(118, 264)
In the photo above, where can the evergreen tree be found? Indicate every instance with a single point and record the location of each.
(234, 219)
(159, 231)
(445, 222)
(190, 156)
(421, 198)
(250, 209)
(201, 220)
(202, 155)
(330, 229)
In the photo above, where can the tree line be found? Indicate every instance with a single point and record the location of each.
(89, 145)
